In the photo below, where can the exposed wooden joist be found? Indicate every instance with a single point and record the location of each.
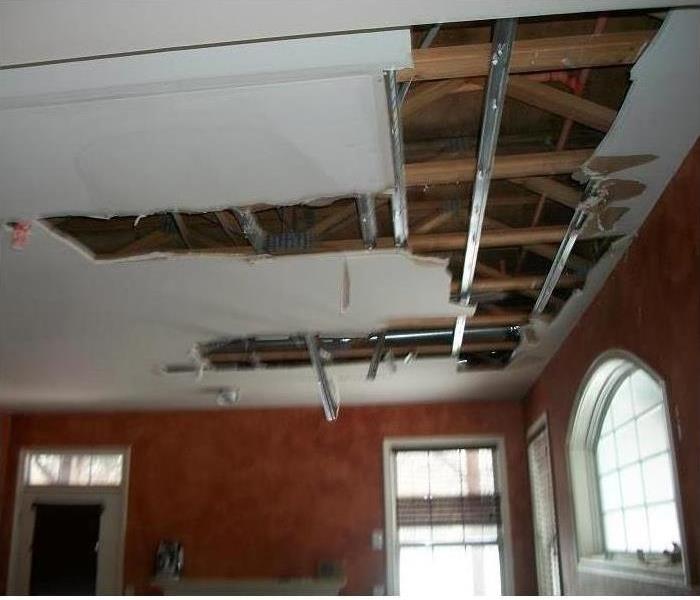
(524, 89)
(481, 320)
(505, 167)
(541, 54)
(427, 93)
(564, 104)
(436, 242)
(553, 189)
(522, 283)
(229, 224)
(152, 242)
(182, 229)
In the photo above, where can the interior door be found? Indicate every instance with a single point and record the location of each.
(55, 528)
(64, 549)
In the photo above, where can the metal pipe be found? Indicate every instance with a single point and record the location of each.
(368, 219)
(376, 357)
(503, 38)
(399, 208)
(328, 400)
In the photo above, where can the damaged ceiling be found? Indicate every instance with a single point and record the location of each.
(104, 311)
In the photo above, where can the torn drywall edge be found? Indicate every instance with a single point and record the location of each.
(650, 76)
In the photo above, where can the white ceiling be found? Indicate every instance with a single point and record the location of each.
(77, 333)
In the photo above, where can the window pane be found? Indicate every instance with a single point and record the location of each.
(621, 405)
(645, 392)
(631, 486)
(614, 532)
(663, 527)
(447, 470)
(610, 491)
(415, 535)
(636, 529)
(652, 430)
(607, 460)
(658, 478)
(626, 443)
(412, 474)
(481, 533)
(73, 469)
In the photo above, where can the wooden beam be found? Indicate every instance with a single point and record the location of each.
(433, 221)
(524, 89)
(505, 167)
(519, 283)
(481, 320)
(553, 189)
(335, 218)
(425, 94)
(151, 242)
(436, 242)
(541, 54)
(564, 104)
(230, 225)
(182, 229)
(544, 250)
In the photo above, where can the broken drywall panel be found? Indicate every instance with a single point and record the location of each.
(49, 30)
(78, 329)
(658, 124)
(178, 131)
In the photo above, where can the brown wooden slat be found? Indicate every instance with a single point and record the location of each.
(541, 54)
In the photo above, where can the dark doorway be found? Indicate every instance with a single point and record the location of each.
(64, 549)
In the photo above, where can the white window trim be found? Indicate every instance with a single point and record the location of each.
(437, 443)
(539, 426)
(610, 369)
(62, 493)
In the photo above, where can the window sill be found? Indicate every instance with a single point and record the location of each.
(626, 568)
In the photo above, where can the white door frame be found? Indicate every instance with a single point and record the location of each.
(110, 556)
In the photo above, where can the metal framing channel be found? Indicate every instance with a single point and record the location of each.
(330, 404)
(503, 38)
(376, 357)
(399, 209)
(368, 219)
(576, 225)
(251, 228)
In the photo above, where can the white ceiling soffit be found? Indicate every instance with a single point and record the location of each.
(275, 122)
(46, 30)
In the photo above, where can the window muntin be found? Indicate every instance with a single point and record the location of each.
(448, 521)
(635, 470)
(73, 469)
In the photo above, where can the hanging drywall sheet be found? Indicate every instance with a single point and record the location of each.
(272, 123)
(656, 127)
(75, 328)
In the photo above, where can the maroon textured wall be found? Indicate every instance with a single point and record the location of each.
(255, 493)
(650, 306)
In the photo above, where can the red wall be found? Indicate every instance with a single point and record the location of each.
(650, 306)
(255, 493)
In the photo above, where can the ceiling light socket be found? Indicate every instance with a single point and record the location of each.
(228, 396)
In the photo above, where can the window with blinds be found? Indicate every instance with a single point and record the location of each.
(448, 521)
(544, 516)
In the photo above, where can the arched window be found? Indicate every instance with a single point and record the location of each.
(623, 475)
